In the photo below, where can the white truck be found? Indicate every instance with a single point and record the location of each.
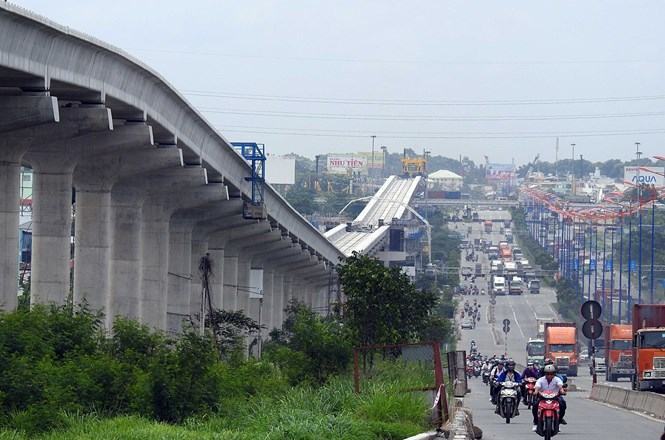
(499, 285)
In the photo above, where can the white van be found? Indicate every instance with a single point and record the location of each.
(499, 286)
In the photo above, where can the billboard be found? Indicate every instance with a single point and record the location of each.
(644, 175)
(280, 170)
(498, 172)
(345, 164)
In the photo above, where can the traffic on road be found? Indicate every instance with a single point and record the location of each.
(527, 375)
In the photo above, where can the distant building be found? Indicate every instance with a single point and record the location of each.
(444, 184)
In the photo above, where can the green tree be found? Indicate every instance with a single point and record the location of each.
(382, 305)
(309, 348)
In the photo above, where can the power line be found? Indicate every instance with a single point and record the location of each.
(395, 61)
(435, 102)
(366, 133)
(507, 135)
(368, 117)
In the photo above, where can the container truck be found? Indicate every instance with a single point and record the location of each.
(561, 346)
(618, 352)
(649, 347)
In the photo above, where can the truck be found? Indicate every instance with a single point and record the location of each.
(534, 286)
(648, 347)
(499, 285)
(487, 224)
(618, 352)
(516, 286)
(535, 351)
(561, 346)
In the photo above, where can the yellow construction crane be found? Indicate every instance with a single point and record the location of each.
(414, 166)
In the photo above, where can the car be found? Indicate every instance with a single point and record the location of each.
(467, 323)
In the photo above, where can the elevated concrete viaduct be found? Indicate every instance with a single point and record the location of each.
(145, 183)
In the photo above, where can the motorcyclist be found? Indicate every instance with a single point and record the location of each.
(552, 383)
(530, 371)
(509, 374)
(494, 374)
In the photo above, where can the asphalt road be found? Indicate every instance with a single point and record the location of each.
(586, 419)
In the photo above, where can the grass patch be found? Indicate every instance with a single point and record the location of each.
(383, 410)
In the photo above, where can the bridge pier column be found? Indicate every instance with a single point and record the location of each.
(217, 285)
(268, 300)
(51, 230)
(230, 295)
(126, 252)
(198, 251)
(244, 267)
(180, 275)
(278, 300)
(92, 247)
(155, 264)
(10, 170)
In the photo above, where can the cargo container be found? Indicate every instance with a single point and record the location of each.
(618, 352)
(561, 346)
(649, 347)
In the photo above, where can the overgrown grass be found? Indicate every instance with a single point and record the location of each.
(383, 410)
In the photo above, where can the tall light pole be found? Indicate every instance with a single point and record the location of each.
(373, 138)
(572, 170)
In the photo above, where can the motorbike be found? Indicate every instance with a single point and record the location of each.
(476, 371)
(469, 371)
(548, 415)
(530, 388)
(508, 402)
(486, 377)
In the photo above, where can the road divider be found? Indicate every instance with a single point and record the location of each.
(646, 402)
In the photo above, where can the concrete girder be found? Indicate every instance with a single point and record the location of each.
(238, 232)
(17, 112)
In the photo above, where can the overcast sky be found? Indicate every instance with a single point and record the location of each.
(313, 77)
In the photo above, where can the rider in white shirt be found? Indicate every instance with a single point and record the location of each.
(551, 383)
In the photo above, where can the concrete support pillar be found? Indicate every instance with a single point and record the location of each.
(155, 258)
(230, 295)
(217, 283)
(278, 300)
(126, 250)
(10, 170)
(199, 249)
(51, 231)
(268, 300)
(244, 267)
(180, 275)
(93, 247)
(288, 289)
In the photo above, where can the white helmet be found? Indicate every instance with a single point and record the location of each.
(549, 369)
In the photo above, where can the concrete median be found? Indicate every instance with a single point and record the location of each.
(643, 401)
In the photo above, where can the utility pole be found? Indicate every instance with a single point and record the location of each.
(572, 170)
(372, 168)
(556, 158)
(383, 168)
(638, 154)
